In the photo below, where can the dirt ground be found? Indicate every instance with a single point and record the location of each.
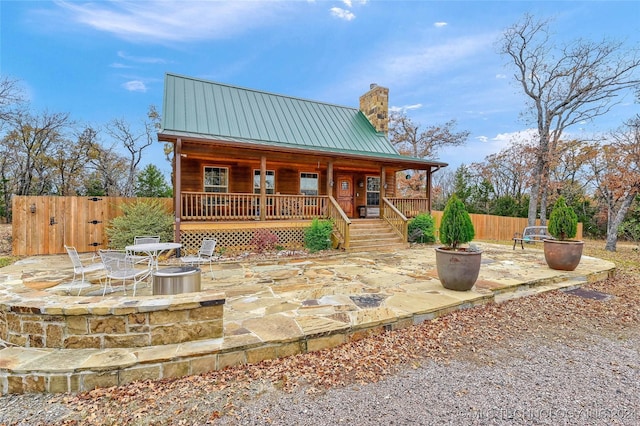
(5, 240)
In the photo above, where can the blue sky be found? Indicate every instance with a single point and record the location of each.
(102, 60)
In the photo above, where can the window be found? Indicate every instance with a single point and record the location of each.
(270, 181)
(216, 179)
(373, 191)
(309, 183)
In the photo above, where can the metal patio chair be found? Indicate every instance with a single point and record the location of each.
(80, 268)
(121, 266)
(205, 255)
(146, 239)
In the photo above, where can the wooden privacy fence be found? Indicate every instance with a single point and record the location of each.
(44, 224)
(498, 228)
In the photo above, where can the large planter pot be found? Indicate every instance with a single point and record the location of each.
(457, 269)
(563, 255)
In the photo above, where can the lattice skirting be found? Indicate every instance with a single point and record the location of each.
(239, 240)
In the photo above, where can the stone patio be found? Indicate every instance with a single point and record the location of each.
(272, 308)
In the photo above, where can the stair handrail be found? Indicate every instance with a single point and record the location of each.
(394, 217)
(340, 220)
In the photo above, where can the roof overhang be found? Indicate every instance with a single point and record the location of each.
(398, 161)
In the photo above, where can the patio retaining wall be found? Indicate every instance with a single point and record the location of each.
(80, 323)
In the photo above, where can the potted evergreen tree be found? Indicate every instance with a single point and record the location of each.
(563, 253)
(458, 267)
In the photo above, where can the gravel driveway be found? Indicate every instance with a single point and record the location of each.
(593, 382)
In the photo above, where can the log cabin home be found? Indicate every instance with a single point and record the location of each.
(246, 160)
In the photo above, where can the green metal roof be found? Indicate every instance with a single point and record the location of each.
(203, 109)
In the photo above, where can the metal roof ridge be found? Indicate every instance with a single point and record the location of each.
(233, 86)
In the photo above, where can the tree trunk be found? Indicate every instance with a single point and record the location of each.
(543, 200)
(613, 225)
(535, 192)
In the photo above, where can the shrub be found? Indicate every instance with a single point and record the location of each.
(456, 227)
(264, 240)
(563, 221)
(147, 217)
(318, 235)
(422, 229)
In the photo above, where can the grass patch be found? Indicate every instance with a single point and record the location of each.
(6, 261)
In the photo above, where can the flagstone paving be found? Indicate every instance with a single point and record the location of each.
(273, 308)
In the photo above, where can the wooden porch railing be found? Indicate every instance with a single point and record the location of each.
(395, 218)
(296, 206)
(219, 206)
(410, 207)
(340, 221)
(232, 206)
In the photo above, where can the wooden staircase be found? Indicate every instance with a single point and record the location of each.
(374, 235)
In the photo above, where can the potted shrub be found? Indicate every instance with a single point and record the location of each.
(563, 253)
(458, 267)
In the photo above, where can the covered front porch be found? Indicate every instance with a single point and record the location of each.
(241, 190)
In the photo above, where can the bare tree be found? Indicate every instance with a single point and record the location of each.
(565, 85)
(443, 187)
(68, 163)
(509, 170)
(616, 170)
(108, 169)
(407, 137)
(10, 97)
(134, 142)
(29, 141)
(410, 140)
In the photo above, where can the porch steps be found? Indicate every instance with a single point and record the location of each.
(374, 235)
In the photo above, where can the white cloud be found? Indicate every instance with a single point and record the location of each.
(482, 139)
(440, 24)
(141, 59)
(161, 21)
(349, 3)
(119, 65)
(501, 76)
(135, 86)
(342, 14)
(503, 140)
(405, 108)
(430, 58)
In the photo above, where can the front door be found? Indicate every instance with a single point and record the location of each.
(345, 194)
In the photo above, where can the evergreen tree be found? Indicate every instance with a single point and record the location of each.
(151, 183)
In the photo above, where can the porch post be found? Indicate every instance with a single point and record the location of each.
(383, 189)
(177, 190)
(263, 187)
(330, 178)
(429, 190)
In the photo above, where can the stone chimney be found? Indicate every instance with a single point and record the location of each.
(375, 106)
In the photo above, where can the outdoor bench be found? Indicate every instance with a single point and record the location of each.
(531, 234)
